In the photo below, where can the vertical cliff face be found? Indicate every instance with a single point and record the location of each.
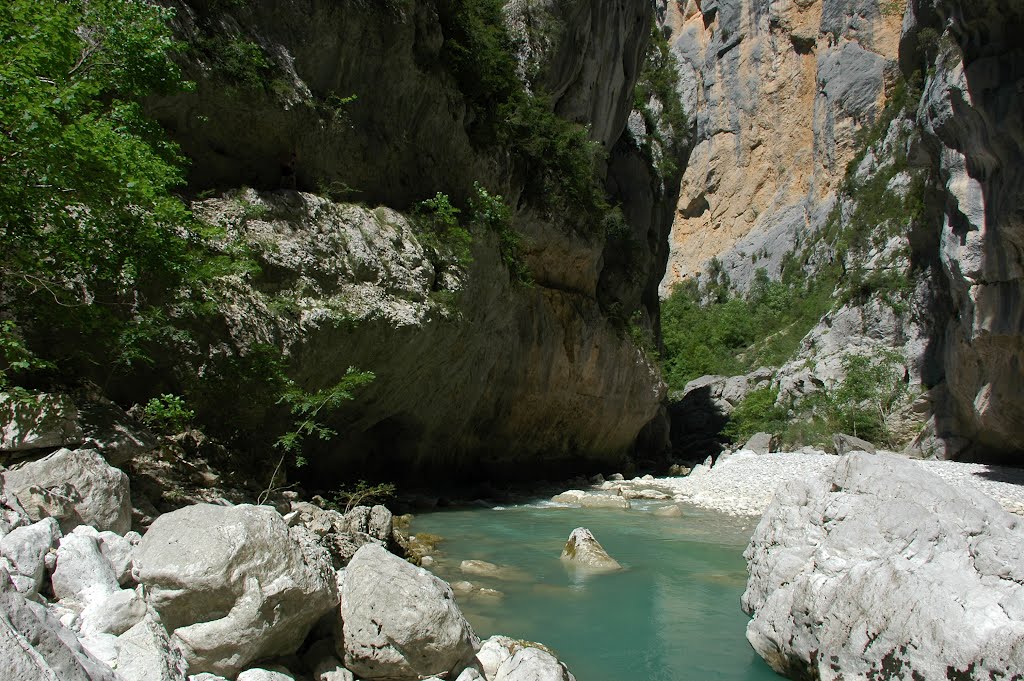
(971, 118)
(475, 370)
(779, 88)
(880, 145)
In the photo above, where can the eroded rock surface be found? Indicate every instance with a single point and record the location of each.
(233, 584)
(583, 550)
(879, 567)
(401, 623)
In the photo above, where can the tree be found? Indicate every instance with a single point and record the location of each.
(93, 237)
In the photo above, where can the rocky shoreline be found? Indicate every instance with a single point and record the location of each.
(744, 483)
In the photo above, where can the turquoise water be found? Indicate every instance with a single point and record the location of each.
(672, 615)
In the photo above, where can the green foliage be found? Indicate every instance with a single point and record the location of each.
(347, 497)
(490, 212)
(95, 242)
(725, 334)
(167, 414)
(659, 79)
(438, 221)
(755, 414)
(15, 357)
(872, 387)
(240, 62)
(306, 408)
(554, 156)
(559, 159)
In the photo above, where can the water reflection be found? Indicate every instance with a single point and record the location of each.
(671, 615)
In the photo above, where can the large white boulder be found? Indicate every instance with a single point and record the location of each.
(37, 421)
(26, 548)
(583, 550)
(76, 487)
(881, 569)
(233, 584)
(34, 645)
(401, 623)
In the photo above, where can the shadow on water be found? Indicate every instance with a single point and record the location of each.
(671, 615)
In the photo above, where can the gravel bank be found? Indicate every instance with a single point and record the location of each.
(744, 483)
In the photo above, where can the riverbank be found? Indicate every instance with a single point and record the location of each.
(744, 483)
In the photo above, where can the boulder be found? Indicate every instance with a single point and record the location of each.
(76, 487)
(82, 573)
(233, 584)
(505, 659)
(759, 443)
(112, 612)
(118, 552)
(38, 421)
(583, 550)
(401, 623)
(873, 564)
(275, 673)
(26, 548)
(604, 501)
(146, 653)
(670, 511)
(380, 524)
(34, 645)
(845, 444)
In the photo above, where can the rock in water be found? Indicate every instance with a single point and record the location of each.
(401, 623)
(583, 550)
(880, 569)
(233, 584)
(75, 487)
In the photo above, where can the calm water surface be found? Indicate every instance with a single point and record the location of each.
(672, 615)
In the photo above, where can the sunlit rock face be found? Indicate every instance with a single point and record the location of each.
(779, 89)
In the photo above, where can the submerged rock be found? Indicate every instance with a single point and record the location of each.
(583, 550)
(401, 623)
(880, 568)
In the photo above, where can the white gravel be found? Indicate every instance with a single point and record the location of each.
(744, 483)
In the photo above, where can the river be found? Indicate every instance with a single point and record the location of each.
(672, 615)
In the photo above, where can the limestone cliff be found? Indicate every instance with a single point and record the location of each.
(474, 369)
(900, 166)
(779, 89)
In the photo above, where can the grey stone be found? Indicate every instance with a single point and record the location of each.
(844, 444)
(380, 524)
(584, 551)
(26, 548)
(275, 673)
(82, 487)
(400, 621)
(38, 421)
(234, 584)
(34, 645)
(147, 653)
(112, 612)
(501, 657)
(82, 573)
(759, 443)
(604, 501)
(873, 562)
(118, 552)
